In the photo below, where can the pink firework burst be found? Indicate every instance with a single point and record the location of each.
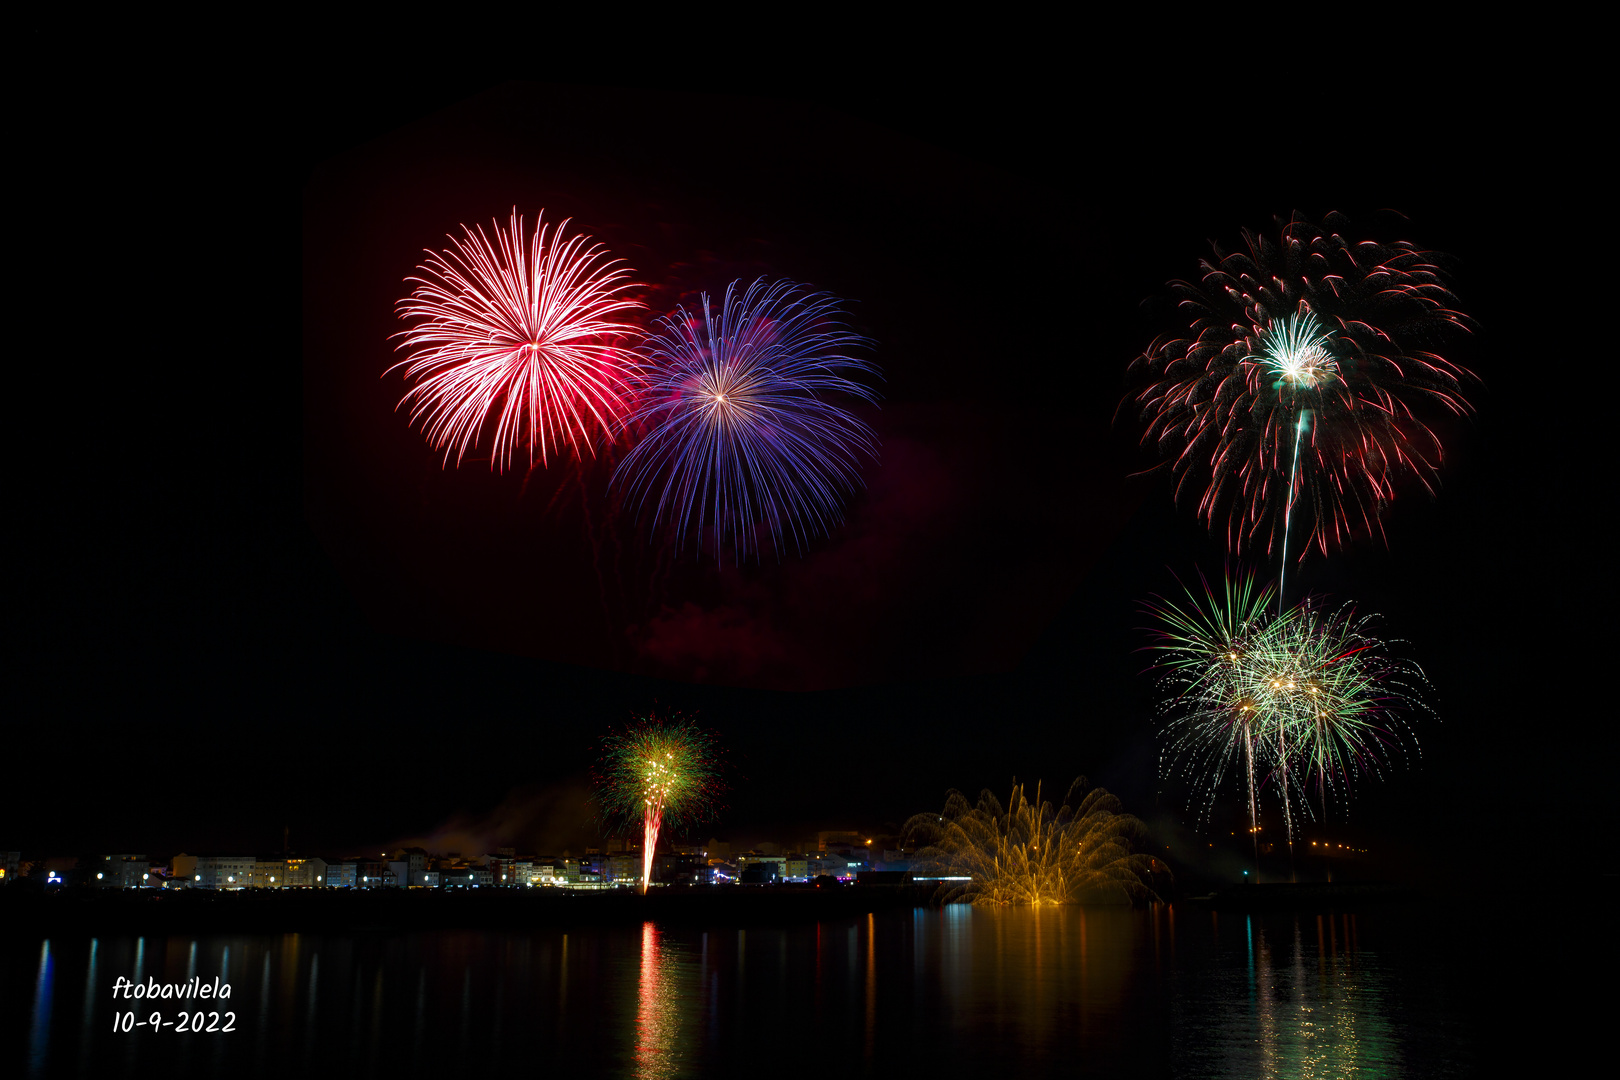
(519, 328)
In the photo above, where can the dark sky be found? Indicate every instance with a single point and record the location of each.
(251, 597)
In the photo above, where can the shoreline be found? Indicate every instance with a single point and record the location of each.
(398, 910)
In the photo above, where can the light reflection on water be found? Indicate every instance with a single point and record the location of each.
(657, 1011)
(1097, 991)
(1304, 1002)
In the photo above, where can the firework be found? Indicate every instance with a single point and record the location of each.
(743, 429)
(1298, 697)
(1339, 697)
(1306, 373)
(1029, 853)
(1208, 652)
(658, 772)
(520, 328)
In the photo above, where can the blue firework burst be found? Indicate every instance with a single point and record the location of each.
(746, 430)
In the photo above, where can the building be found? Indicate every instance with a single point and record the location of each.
(212, 871)
(760, 869)
(268, 874)
(465, 876)
(622, 870)
(680, 868)
(305, 873)
(895, 859)
(118, 872)
(833, 865)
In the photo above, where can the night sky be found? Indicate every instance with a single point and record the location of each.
(250, 597)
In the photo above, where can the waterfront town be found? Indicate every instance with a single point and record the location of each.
(840, 855)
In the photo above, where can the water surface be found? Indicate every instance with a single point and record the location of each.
(1072, 991)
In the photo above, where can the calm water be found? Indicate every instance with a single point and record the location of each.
(1168, 991)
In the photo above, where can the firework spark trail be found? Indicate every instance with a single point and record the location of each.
(658, 771)
(742, 429)
(1297, 353)
(1028, 853)
(1309, 321)
(1304, 694)
(1288, 509)
(519, 327)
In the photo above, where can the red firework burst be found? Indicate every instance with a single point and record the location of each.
(519, 328)
(1304, 377)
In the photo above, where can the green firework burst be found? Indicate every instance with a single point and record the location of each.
(656, 772)
(1298, 699)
